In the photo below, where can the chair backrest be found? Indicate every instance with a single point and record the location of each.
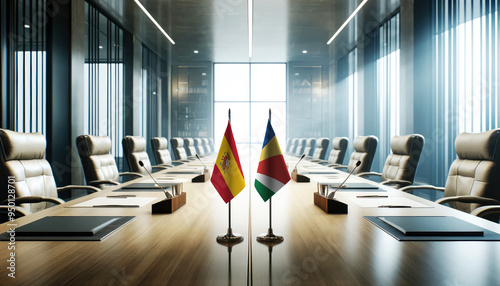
(178, 148)
(288, 145)
(211, 144)
(295, 144)
(206, 145)
(321, 148)
(301, 145)
(339, 148)
(198, 144)
(160, 150)
(476, 171)
(25, 168)
(364, 151)
(97, 161)
(134, 150)
(310, 145)
(189, 146)
(402, 163)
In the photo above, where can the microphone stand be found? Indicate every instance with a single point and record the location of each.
(167, 194)
(331, 195)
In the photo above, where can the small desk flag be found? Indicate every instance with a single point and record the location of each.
(272, 173)
(227, 176)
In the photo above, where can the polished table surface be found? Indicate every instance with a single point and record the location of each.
(318, 248)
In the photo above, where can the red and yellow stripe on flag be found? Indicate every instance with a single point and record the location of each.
(227, 176)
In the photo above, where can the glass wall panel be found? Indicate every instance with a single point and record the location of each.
(466, 42)
(103, 79)
(26, 60)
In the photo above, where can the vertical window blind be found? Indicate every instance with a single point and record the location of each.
(466, 43)
(27, 65)
(154, 81)
(388, 89)
(104, 85)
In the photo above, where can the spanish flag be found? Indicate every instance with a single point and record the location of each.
(227, 176)
(272, 173)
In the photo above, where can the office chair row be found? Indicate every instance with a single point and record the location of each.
(473, 183)
(27, 176)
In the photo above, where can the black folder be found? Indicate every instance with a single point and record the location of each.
(86, 228)
(432, 226)
(148, 186)
(65, 226)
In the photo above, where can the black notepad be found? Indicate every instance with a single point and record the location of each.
(148, 186)
(432, 226)
(354, 186)
(65, 226)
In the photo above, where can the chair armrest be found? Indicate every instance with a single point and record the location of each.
(166, 165)
(410, 189)
(17, 210)
(365, 174)
(401, 183)
(131, 174)
(91, 189)
(98, 183)
(338, 166)
(469, 199)
(163, 167)
(36, 199)
(485, 211)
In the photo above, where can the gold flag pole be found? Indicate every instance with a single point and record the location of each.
(229, 238)
(270, 238)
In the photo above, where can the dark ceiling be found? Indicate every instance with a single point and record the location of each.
(218, 29)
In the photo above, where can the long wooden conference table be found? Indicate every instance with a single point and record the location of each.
(318, 248)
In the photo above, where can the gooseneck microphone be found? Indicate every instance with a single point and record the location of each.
(167, 194)
(197, 156)
(332, 194)
(301, 157)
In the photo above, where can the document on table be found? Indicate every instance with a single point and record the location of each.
(115, 202)
(379, 201)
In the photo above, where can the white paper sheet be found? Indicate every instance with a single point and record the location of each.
(115, 202)
(376, 202)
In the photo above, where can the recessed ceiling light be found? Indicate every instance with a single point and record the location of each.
(27, 26)
(304, 51)
(204, 74)
(101, 47)
(347, 21)
(195, 51)
(297, 73)
(154, 21)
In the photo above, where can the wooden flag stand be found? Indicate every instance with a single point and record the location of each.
(229, 237)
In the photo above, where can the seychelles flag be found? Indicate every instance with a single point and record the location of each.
(227, 176)
(272, 173)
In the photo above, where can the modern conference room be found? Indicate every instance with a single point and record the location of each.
(256, 142)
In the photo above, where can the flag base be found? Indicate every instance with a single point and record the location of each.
(229, 238)
(270, 238)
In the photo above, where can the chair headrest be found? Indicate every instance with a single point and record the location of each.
(310, 141)
(22, 146)
(198, 141)
(135, 143)
(402, 145)
(205, 141)
(322, 143)
(161, 143)
(364, 143)
(89, 145)
(177, 142)
(340, 143)
(189, 141)
(478, 146)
